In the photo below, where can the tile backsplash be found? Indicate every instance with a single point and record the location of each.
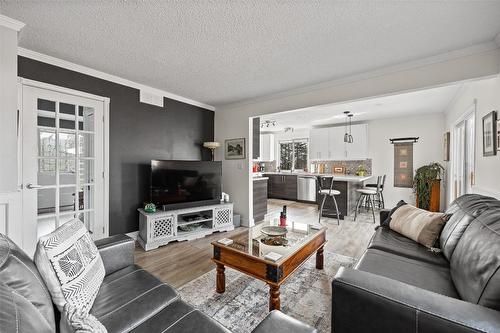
(351, 166)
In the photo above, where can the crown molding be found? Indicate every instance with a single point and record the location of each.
(11, 23)
(468, 51)
(108, 77)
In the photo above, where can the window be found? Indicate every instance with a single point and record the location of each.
(293, 154)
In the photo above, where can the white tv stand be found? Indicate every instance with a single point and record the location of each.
(163, 227)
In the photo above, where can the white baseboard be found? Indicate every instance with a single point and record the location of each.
(133, 234)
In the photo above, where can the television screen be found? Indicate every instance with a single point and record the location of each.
(185, 183)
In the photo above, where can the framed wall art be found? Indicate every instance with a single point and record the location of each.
(234, 149)
(490, 134)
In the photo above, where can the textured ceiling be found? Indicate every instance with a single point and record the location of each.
(219, 52)
(434, 100)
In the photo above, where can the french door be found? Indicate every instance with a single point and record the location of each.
(62, 162)
(463, 161)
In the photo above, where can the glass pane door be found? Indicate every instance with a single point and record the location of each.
(62, 162)
(65, 164)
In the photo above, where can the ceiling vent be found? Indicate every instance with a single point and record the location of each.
(150, 98)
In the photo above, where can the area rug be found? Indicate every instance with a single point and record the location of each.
(306, 295)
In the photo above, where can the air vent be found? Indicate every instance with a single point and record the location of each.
(150, 98)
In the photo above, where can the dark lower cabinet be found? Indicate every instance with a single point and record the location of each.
(282, 187)
(346, 200)
(259, 199)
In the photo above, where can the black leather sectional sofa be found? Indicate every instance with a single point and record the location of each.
(129, 300)
(400, 286)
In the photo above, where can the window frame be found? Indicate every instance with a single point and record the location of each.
(293, 141)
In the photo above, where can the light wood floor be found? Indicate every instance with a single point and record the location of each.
(180, 262)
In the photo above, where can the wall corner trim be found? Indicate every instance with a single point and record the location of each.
(108, 77)
(11, 23)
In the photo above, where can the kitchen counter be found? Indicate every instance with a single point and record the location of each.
(336, 177)
(255, 178)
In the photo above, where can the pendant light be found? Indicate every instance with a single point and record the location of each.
(350, 140)
(346, 135)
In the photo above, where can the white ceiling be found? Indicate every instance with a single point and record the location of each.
(219, 52)
(434, 100)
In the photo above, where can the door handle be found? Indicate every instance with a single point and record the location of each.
(32, 186)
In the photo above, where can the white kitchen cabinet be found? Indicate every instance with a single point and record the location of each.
(266, 147)
(328, 143)
(336, 144)
(319, 144)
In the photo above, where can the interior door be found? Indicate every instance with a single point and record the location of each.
(62, 162)
(464, 156)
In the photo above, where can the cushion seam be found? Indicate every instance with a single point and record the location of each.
(15, 309)
(409, 305)
(421, 264)
(175, 323)
(8, 252)
(154, 313)
(121, 277)
(486, 284)
(127, 303)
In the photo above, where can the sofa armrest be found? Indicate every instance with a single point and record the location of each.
(117, 252)
(366, 302)
(278, 322)
(384, 213)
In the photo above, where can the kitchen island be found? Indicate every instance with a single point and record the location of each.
(290, 186)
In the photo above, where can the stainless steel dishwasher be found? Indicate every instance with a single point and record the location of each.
(306, 188)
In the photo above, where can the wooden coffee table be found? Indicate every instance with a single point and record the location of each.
(247, 252)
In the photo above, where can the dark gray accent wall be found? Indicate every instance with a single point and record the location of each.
(138, 133)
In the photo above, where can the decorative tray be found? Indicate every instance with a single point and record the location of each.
(274, 231)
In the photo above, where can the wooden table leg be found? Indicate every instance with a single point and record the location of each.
(319, 258)
(221, 279)
(274, 298)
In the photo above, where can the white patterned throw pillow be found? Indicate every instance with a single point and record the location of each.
(70, 265)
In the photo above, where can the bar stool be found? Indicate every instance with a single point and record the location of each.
(380, 197)
(327, 192)
(368, 195)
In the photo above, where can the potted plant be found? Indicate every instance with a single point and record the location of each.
(426, 186)
(361, 170)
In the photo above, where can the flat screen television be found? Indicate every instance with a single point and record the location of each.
(181, 184)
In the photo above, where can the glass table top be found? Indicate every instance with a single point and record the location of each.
(257, 244)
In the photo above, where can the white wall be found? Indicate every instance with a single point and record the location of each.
(232, 121)
(429, 148)
(487, 94)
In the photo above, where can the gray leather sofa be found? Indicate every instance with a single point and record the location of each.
(129, 300)
(400, 286)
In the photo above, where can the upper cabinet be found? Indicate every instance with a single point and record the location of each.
(266, 147)
(328, 143)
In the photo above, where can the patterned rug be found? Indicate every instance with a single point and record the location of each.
(306, 295)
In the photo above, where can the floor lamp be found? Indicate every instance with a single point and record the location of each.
(211, 146)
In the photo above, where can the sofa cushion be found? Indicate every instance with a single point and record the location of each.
(18, 314)
(462, 212)
(70, 265)
(413, 272)
(387, 221)
(129, 297)
(18, 272)
(475, 264)
(390, 241)
(420, 225)
(180, 317)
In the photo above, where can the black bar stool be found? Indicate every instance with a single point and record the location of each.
(380, 197)
(327, 191)
(368, 195)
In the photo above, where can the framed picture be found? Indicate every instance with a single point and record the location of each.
(235, 149)
(446, 146)
(490, 134)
